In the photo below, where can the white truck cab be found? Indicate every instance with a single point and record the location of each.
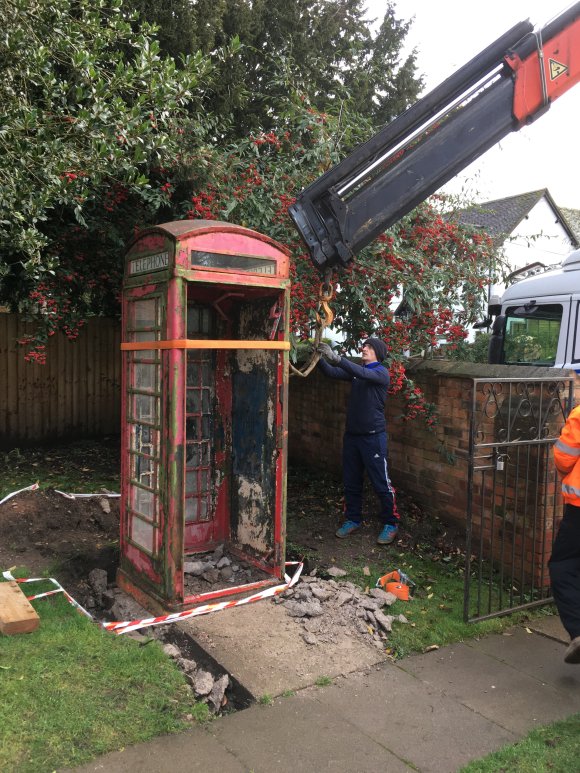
(538, 320)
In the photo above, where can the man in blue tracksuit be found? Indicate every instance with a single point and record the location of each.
(365, 437)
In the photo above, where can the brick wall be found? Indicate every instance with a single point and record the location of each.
(431, 466)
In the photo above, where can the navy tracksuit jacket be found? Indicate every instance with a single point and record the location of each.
(365, 438)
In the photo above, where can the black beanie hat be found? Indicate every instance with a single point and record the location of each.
(379, 347)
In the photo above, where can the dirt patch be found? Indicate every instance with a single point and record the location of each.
(42, 530)
(264, 649)
(315, 511)
(45, 531)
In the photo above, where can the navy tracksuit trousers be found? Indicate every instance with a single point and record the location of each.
(564, 567)
(367, 452)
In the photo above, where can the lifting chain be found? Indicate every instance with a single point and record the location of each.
(324, 319)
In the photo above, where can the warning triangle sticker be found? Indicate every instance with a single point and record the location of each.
(556, 69)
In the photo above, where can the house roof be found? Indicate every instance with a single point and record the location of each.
(499, 218)
(572, 217)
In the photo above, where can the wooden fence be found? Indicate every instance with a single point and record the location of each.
(76, 394)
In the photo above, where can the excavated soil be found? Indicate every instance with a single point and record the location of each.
(77, 542)
(45, 531)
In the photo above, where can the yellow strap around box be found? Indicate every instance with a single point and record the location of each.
(188, 343)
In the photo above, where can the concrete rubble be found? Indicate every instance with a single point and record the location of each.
(327, 609)
(110, 602)
(213, 571)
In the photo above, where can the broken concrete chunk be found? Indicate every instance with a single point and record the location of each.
(105, 505)
(322, 594)
(368, 603)
(218, 690)
(171, 650)
(185, 664)
(312, 624)
(224, 561)
(203, 682)
(402, 619)
(211, 575)
(381, 595)
(98, 580)
(309, 638)
(343, 597)
(384, 621)
(196, 568)
(226, 573)
(303, 593)
(334, 571)
(304, 608)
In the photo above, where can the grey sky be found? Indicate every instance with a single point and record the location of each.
(447, 34)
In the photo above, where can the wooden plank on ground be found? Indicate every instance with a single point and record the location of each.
(17, 615)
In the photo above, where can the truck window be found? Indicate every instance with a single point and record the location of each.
(531, 334)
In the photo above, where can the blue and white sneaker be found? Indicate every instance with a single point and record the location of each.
(347, 528)
(388, 534)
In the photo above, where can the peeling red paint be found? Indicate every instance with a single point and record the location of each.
(236, 305)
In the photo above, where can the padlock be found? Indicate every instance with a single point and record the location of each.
(499, 463)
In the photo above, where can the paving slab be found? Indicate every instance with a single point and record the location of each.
(494, 689)
(537, 656)
(300, 734)
(551, 627)
(413, 719)
(189, 752)
(262, 647)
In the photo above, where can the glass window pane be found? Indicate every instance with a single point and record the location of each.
(206, 402)
(192, 428)
(532, 334)
(191, 509)
(193, 401)
(143, 501)
(144, 376)
(193, 455)
(142, 533)
(145, 408)
(145, 313)
(144, 439)
(191, 482)
(205, 321)
(144, 354)
(144, 471)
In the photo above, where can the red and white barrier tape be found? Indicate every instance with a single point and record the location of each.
(104, 495)
(13, 494)
(134, 625)
(35, 486)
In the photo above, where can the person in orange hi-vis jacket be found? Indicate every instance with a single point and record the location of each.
(564, 563)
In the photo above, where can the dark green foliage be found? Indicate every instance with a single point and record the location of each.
(325, 48)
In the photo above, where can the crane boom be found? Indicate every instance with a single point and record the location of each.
(509, 84)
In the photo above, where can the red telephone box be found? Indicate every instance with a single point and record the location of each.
(204, 414)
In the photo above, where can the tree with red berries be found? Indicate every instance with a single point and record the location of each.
(114, 138)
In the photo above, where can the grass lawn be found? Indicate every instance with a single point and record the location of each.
(71, 691)
(553, 749)
(80, 467)
(435, 612)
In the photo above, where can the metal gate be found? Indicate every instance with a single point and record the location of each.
(513, 502)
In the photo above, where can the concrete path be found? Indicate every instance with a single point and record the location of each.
(431, 713)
